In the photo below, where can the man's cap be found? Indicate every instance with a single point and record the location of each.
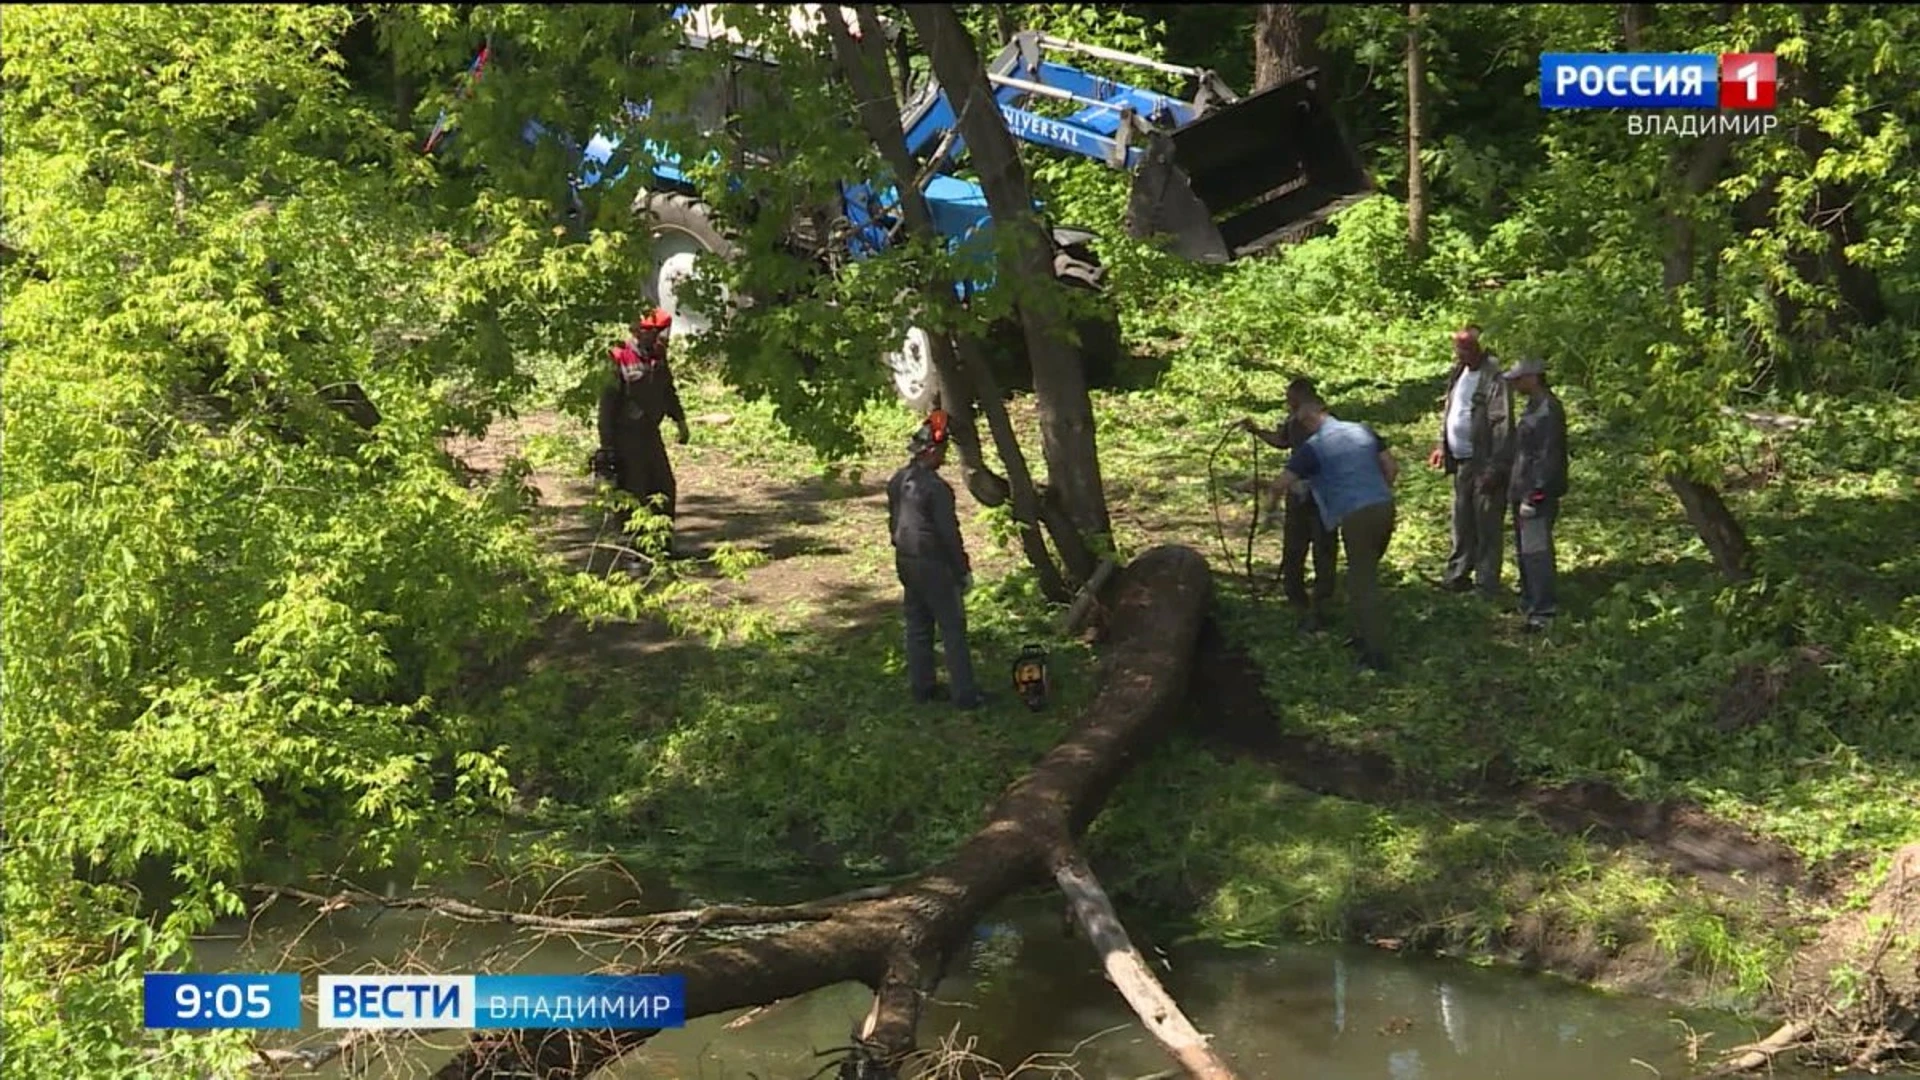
(932, 434)
(657, 319)
(1530, 366)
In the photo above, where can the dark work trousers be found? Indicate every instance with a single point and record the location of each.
(1533, 549)
(644, 470)
(1477, 539)
(933, 602)
(1368, 531)
(1302, 530)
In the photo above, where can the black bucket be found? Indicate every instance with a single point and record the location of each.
(1250, 175)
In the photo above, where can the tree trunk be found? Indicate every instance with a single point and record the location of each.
(1004, 23)
(1416, 124)
(903, 66)
(1633, 24)
(1026, 265)
(865, 65)
(900, 944)
(1700, 166)
(1285, 40)
(404, 96)
(1726, 540)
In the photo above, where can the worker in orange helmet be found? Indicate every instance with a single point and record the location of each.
(642, 394)
(931, 560)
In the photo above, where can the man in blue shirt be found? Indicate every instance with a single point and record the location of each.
(1352, 478)
(1302, 530)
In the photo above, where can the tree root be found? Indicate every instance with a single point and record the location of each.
(1875, 953)
(312, 1059)
(1761, 1054)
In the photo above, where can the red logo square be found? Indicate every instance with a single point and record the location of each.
(1747, 80)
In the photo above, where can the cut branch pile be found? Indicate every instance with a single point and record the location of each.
(1855, 992)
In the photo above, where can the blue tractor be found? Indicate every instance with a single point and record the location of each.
(1216, 177)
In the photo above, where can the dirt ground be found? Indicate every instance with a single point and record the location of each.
(824, 555)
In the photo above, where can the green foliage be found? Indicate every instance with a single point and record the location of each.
(241, 627)
(235, 621)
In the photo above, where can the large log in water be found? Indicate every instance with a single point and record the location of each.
(899, 945)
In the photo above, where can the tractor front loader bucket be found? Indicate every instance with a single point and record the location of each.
(1248, 175)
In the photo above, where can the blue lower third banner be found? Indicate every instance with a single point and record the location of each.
(503, 1001)
(205, 1002)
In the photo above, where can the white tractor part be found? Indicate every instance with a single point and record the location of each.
(914, 376)
(680, 230)
(675, 271)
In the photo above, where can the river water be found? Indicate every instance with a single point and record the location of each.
(1025, 990)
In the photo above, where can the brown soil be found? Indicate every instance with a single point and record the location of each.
(825, 558)
(1857, 987)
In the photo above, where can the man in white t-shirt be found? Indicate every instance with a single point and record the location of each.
(1475, 448)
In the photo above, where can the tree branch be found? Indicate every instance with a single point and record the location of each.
(1761, 1054)
(312, 1058)
(1129, 973)
(888, 1031)
(692, 919)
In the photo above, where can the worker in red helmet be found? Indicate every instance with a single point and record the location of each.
(931, 560)
(641, 395)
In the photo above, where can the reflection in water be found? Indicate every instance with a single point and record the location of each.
(1339, 994)
(1450, 1017)
(1290, 1013)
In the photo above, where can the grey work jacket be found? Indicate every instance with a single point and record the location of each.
(1540, 461)
(922, 519)
(1492, 416)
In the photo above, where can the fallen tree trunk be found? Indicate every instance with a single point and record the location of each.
(900, 945)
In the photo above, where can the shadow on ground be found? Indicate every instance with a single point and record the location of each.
(1230, 705)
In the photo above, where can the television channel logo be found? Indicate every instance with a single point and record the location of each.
(1733, 81)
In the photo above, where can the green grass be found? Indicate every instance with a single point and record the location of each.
(1629, 685)
(794, 749)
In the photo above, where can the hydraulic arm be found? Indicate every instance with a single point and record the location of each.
(1216, 176)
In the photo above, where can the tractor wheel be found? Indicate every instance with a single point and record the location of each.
(915, 379)
(1101, 347)
(680, 228)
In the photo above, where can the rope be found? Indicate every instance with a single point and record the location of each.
(1213, 495)
(1253, 518)
(1253, 522)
